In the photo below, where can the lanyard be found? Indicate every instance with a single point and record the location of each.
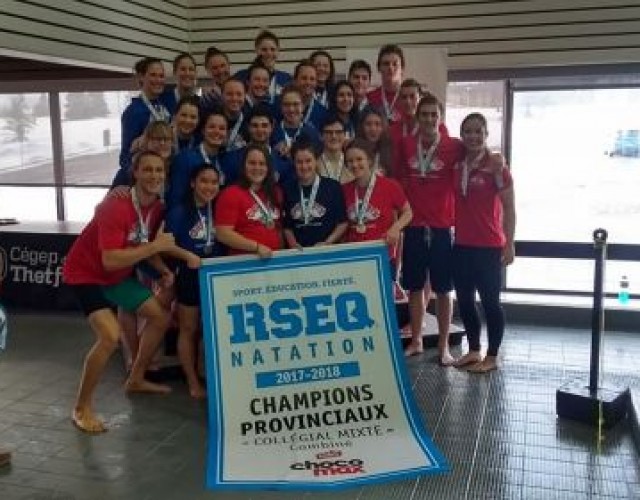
(405, 130)
(207, 224)
(158, 111)
(388, 109)
(331, 173)
(361, 206)
(425, 158)
(307, 115)
(322, 97)
(233, 135)
(307, 204)
(216, 165)
(274, 88)
(267, 215)
(468, 167)
(143, 224)
(287, 138)
(363, 104)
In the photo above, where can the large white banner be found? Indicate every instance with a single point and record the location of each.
(305, 373)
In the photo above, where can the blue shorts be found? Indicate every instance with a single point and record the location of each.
(427, 254)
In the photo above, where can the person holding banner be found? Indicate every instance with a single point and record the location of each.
(485, 221)
(391, 65)
(248, 215)
(99, 270)
(192, 225)
(314, 211)
(377, 207)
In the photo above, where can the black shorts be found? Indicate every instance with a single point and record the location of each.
(91, 298)
(427, 254)
(188, 287)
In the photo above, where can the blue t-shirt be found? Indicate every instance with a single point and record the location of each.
(326, 213)
(307, 132)
(315, 114)
(189, 228)
(182, 168)
(134, 120)
(282, 79)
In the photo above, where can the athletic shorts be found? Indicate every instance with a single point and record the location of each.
(128, 294)
(427, 254)
(188, 287)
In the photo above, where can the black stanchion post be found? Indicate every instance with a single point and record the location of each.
(588, 403)
(597, 314)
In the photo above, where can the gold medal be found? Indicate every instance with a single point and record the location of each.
(361, 228)
(269, 224)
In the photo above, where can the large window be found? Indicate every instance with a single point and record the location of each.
(26, 153)
(576, 166)
(91, 135)
(477, 97)
(33, 187)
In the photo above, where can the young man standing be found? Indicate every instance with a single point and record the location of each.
(99, 269)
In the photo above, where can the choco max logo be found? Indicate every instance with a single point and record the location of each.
(330, 464)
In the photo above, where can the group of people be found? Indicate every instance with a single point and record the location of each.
(261, 161)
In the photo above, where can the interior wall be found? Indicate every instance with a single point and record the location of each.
(101, 34)
(477, 33)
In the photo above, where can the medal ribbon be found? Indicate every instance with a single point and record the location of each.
(361, 206)
(216, 165)
(266, 212)
(158, 111)
(143, 224)
(336, 176)
(388, 109)
(307, 205)
(425, 159)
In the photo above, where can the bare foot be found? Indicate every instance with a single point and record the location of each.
(146, 387)
(197, 391)
(488, 364)
(86, 421)
(413, 349)
(471, 358)
(445, 358)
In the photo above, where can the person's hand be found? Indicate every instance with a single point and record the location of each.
(392, 236)
(166, 279)
(163, 241)
(322, 244)
(137, 144)
(193, 261)
(508, 254)
(282, 149)
(263, 251)
(497, 163)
